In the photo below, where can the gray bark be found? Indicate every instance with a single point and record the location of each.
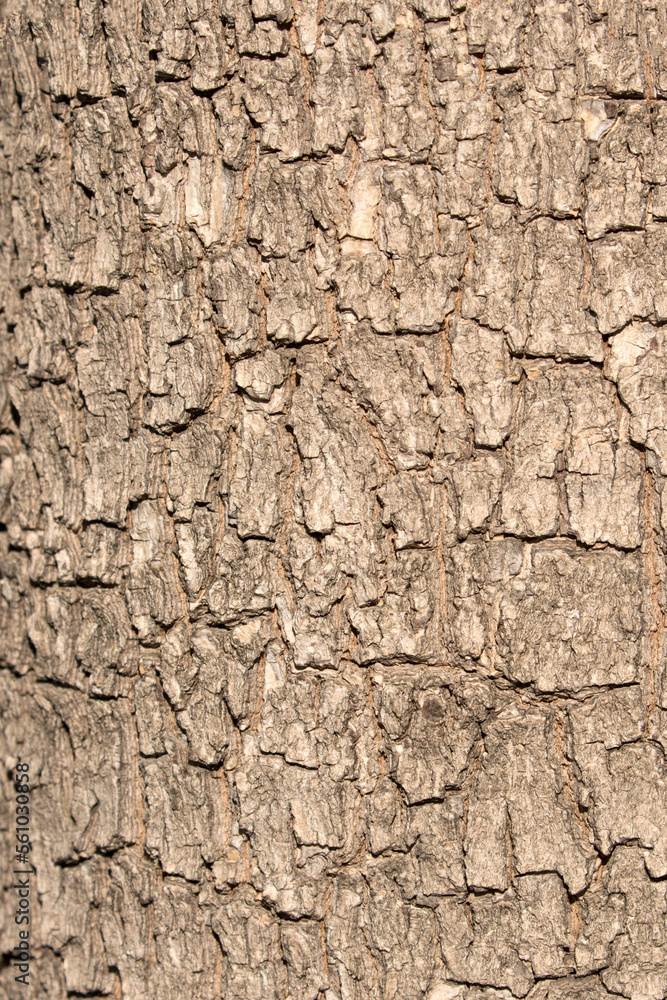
(333, 431)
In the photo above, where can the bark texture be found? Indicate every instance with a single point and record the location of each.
(333, 486)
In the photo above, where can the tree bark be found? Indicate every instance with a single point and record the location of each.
(333, 428)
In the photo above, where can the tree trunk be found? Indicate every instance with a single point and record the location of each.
(334, 436)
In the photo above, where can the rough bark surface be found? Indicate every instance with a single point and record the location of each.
(334, 496)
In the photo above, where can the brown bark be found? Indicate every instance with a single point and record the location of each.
(333, 427)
